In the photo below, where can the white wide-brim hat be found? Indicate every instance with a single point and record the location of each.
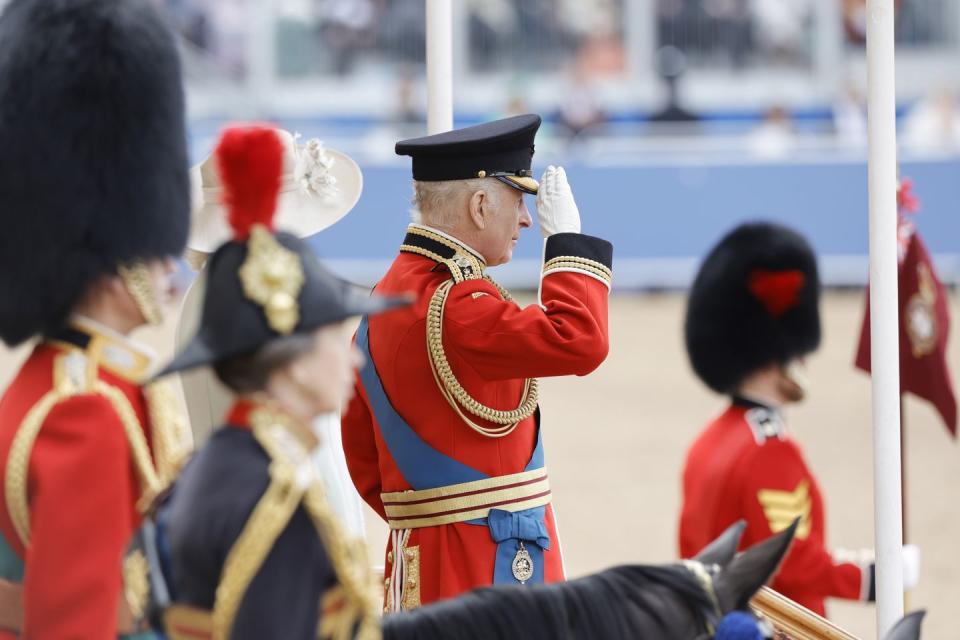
(319, 187)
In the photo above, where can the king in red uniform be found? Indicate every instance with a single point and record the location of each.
(443, 439)
(95, 202)
(753, 314)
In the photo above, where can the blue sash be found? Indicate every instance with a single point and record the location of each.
(423, 467)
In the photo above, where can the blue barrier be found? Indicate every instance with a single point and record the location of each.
(662, 219)
(663, 216)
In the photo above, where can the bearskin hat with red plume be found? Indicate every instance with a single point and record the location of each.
(754, 302)
(93, 157)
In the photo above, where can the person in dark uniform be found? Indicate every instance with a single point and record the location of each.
(254, 549)
(752, 316)
(94, 206)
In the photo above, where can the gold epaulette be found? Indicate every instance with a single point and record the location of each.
(74, 374)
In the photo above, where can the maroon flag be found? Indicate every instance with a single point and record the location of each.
(924, 323)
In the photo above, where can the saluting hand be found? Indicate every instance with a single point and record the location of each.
(556, 208)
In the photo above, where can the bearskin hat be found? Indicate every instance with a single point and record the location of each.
(755, 301)
(93, 158)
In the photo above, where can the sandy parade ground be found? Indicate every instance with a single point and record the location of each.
(616, 439)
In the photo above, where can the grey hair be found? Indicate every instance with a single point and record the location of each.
(434, 202)
(250, 372)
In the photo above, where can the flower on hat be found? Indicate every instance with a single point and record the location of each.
(312, 170)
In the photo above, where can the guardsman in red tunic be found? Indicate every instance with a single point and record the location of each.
(753, 314)
(94, 203)
(443, 439)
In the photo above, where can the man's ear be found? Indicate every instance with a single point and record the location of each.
(477, 206)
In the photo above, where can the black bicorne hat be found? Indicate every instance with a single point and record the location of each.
(93, 160)
(502, 149)
(263, 285)
(754, 302)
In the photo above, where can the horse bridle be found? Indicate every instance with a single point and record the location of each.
(705, 575)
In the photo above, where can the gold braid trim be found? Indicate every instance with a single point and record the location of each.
(15, 487)
(350, 564)
(267, 521)
(18, 460)
(451, 388)
(279, 437)
(584, 265)
(447, 242)
(593, 264)
(409, 248)
(150, 486)
(170, 434)
(139, 283)
(562, 268)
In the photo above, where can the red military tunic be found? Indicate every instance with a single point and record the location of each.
(492, 345)
(80, 397)
(745, 465)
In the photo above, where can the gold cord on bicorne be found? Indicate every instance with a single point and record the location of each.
(453, 391)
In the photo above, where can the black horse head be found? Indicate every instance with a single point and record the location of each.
(683, 601)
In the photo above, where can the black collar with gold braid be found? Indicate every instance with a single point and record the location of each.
(463, 262)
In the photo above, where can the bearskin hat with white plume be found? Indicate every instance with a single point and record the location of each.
(754, 302)
(93, 158)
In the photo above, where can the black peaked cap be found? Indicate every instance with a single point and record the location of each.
(729, 332)
(231, 324)
(93, 163)
(500, 147)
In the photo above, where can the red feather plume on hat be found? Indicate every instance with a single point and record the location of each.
(250, 161)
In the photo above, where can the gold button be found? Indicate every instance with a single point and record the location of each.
(409, 554)
(386, 583)
(412, 582)
(389, 556)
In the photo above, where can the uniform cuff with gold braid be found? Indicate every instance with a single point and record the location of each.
(579, 253)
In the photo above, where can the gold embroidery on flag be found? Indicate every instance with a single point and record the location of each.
(920, 318)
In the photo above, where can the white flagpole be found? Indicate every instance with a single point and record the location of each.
(439, 66)
(884, 324)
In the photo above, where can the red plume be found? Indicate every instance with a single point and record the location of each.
(906, 201)
(778, 291)
(250, 161)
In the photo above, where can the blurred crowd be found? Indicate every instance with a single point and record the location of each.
(581, 43)
(540, 34)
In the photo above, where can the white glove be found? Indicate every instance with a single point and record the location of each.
(556, 208)
(911, 566)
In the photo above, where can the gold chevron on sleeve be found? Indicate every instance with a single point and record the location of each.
(782, 507)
